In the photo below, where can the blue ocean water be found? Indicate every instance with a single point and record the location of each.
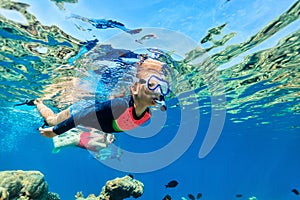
(255, 55)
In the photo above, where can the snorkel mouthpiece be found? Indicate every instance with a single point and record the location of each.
(162, 103)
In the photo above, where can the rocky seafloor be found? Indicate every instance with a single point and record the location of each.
(31, 185)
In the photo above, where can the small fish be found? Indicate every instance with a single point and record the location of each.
(146, 37)
(199, 195)
(130, 175)
(167, 197)
(172, 184)
(239, 195)
(191, 197)
(295, 191)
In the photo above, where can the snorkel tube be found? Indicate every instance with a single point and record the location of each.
(162, 103)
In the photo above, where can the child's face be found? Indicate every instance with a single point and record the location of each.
(147, 95)
(151, 86)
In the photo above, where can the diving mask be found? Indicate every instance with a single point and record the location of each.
(156, 84)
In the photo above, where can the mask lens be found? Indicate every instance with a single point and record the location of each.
(164, 86)
(152, 85)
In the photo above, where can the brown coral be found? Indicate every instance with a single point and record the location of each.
(3, 194)
(23, 185)
(117, 189)
(121, 188)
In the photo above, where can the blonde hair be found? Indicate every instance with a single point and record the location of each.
(149, 67)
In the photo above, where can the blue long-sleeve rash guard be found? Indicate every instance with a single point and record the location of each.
(102, 116)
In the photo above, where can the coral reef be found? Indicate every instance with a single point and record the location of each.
(52, 196)
(3, 194)
(117, 189)
(24, 185)
(30, 185)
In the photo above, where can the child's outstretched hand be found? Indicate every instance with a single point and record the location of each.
(47, 132)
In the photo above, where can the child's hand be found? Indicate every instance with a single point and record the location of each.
(47, 132)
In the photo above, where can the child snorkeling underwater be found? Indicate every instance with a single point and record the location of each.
(114, 115)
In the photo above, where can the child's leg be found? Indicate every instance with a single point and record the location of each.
(50, 117)
(96, 143)
(70, 138)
